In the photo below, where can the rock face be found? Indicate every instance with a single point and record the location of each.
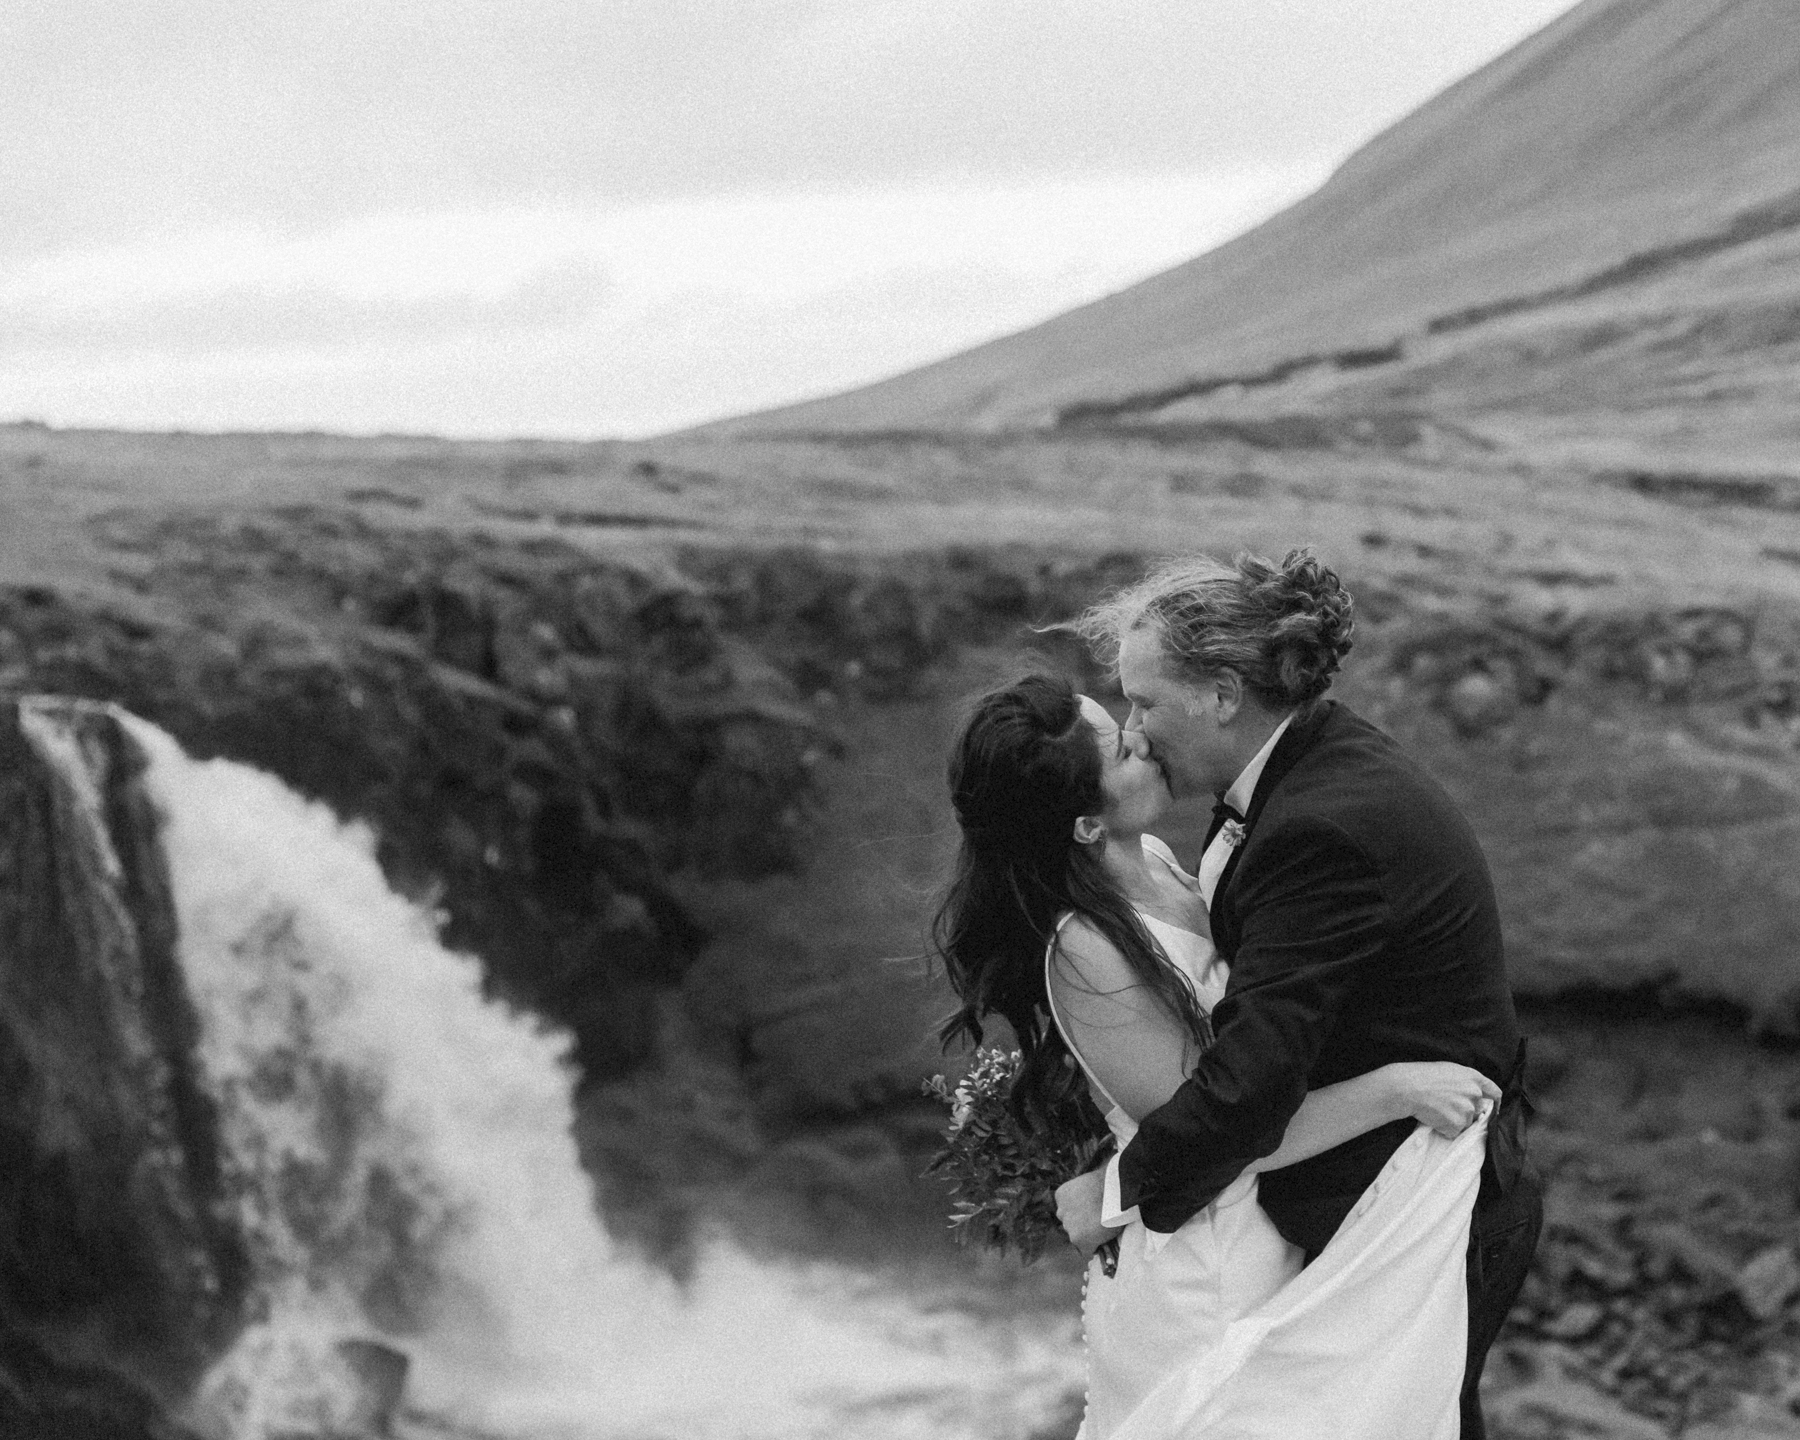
(1630, 769)
(1632, 776)
(119, 1264)
(537, 739)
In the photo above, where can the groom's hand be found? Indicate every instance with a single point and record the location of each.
(1078, 1207)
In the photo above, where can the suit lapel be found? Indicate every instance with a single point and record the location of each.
(1294, 743)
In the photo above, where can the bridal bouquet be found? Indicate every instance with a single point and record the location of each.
(1003, 1177)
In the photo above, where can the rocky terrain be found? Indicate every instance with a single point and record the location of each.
(676, 780)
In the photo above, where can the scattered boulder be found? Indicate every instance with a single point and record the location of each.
(1768, 1281)
(1668, 1316)
(1480, 701)
(1557, 1407)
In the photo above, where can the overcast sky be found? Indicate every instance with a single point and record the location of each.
(612, 217)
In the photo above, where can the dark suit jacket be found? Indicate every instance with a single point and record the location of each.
(1360, 923)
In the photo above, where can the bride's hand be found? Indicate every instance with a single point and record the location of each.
(1079, 1204)
(1441, 1094)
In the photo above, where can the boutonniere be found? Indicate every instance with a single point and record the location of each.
(1233, 833)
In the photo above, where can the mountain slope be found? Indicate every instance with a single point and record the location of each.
(1625, 127)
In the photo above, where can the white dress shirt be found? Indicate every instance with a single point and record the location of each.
(1212, 863)
(1212, 866)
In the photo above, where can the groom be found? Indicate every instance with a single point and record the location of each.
(1354, 905)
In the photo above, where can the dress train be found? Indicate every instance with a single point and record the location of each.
(1366, 1343)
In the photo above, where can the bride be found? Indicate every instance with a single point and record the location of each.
(1071, 921)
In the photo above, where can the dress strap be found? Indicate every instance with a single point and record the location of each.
(1056, 1014)
(1159, 847)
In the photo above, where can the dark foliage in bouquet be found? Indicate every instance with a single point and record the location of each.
(1005, 1153)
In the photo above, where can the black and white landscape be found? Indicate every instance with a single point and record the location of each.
(461, 901)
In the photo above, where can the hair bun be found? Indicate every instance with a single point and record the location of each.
(1310, 620)
(1317, 591)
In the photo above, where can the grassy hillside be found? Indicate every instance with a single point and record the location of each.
(1628, 142)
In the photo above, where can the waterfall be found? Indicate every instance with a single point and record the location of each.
(400, 1157)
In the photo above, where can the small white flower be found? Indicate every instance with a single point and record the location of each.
(962, 1109)
(1233, 833)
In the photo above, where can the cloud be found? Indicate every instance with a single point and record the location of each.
(128, 119)
(576, 217)
(565, 322)
(243, 317)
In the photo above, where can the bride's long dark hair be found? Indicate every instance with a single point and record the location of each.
(1024, 768)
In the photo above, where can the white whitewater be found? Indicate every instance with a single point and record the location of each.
(406, 1167)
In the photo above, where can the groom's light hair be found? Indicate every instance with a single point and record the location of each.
(1281, 629)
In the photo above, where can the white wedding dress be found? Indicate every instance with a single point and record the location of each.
(1216, 1331)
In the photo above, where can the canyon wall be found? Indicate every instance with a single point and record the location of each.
(121, 1270)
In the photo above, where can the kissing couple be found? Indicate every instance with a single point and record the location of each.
(1305, 1048)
